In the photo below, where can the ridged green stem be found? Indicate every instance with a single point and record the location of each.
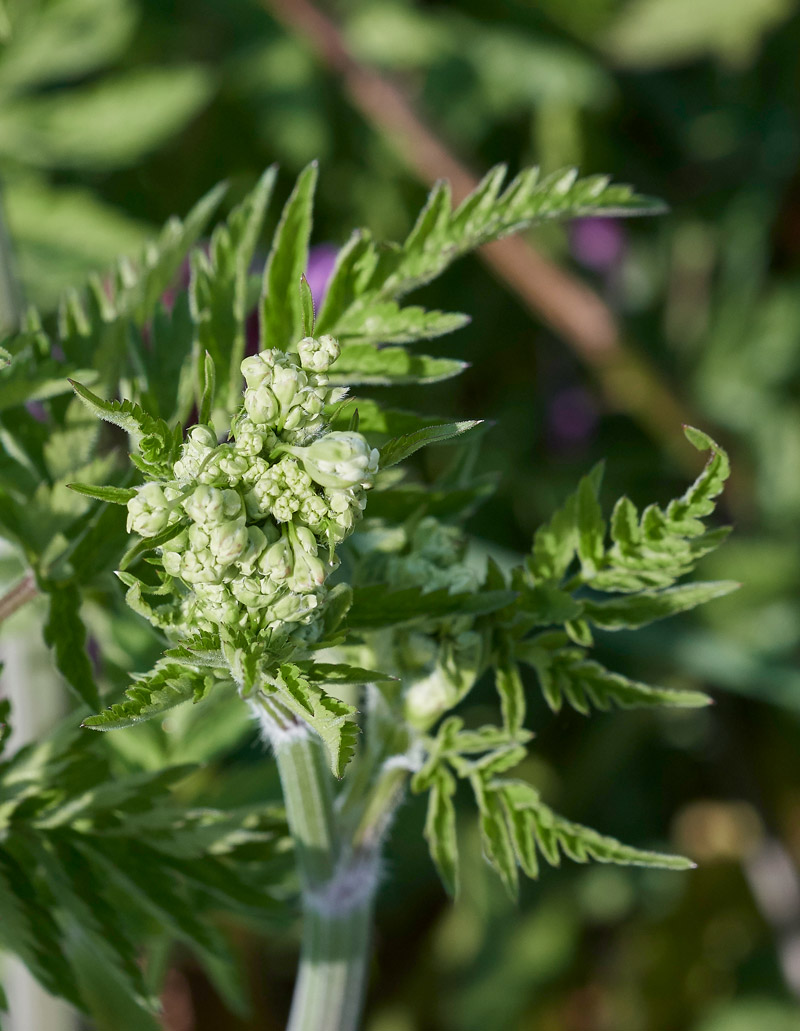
(329, 992)
(338, 885)
(308, 795)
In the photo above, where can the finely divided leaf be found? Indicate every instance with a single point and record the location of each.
(554, 835)
(629, 611)
(365, 364)
(151, 695)
(332, 719)
(340, 673)
(440, 829)
(158, 445)
(387, 322)
(567, 675)
(512, 696)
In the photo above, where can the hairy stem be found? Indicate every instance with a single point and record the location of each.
(338, 884)
(329, 992)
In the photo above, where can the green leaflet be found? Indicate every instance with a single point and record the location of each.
(79, 884)
(367, 279)
(307, 307)
(139, 287)
(442, 235)
(340, 673)
(114, 495)
(281, 307)
(158, 445)
(565, 674)
(648, 551)
(163, 360)
(512, 697)
(65, 633)
(84, 914)
(209, 391)
(591, 526)
(495, 834)
(553, 835)
(516, 826)
(630, 611)
(398, 449)
(332, 719)
(129, 864)
(365, 364)
(151, 695)
(376, 419)
(387, 322)
(440, 829)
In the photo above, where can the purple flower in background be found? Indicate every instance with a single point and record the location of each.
(572, 416)
(598, 243)
(321, 260)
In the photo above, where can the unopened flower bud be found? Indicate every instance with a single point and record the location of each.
(278, 560)
(313, 511)
(257, 368)
(250, 439)
(262, 406)
(205, 505)
(319, 354)
(199, 567)
(345, 509)
(294, 419)
(257, 542)
(291, 608)
(229, 541)
(306, 539)
(199, 443)
(199, 538)
(250, 591)
(308, 572)
(148, 511)
(340, 459)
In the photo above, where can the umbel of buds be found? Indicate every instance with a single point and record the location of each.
(256, 517)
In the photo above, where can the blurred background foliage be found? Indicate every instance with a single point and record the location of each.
(115, 114)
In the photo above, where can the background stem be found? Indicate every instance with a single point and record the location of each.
(10, 294)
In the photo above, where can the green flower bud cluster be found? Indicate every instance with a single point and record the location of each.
(432, 556)
(437, 663)
(261, 512)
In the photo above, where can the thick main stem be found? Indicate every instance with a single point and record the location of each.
(338, 884)
(329, 992)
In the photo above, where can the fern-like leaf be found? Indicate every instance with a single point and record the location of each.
(152, 695)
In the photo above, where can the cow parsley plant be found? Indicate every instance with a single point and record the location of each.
(271, 531)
